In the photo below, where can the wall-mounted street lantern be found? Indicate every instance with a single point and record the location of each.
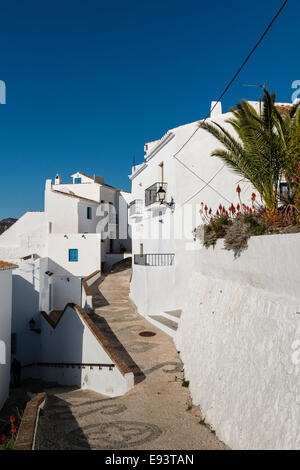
(161, 193)
(32, 326)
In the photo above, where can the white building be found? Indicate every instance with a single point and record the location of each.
(83, 230)
(5, 328)
(163, 245)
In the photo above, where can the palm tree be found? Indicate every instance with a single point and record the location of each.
(260, 151)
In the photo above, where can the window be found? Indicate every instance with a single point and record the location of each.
(284, 190)
(77, 180)
(73, 254)
(89, 212)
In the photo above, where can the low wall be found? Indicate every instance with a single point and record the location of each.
(239, 339)
(28, 426)
(152, 289)
(71, 337)
(86, 294)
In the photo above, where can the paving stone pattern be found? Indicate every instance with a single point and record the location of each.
(153, 415)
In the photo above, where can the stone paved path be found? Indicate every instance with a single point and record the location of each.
(153, 415)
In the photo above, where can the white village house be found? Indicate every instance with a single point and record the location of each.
(82, 232)
(163, 244)
(234, 319)
(5, 328)
(162, 234)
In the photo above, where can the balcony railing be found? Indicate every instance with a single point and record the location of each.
(155, 259)
(136, 207)
(151, 193)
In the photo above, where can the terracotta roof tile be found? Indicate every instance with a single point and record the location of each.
(6, 265)
(285, 109)
(27, 428)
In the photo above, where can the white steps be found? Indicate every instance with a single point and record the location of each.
(167, 321)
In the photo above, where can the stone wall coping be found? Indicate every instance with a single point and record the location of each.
(100, 337)
(27, 430)
(85, 282)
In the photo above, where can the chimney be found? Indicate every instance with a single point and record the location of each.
(57, 179)
(215, 109)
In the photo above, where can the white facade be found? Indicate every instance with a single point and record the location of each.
(26, 283)
(163, 230)
(239, 339)
(72, 341)
(5, 328)
(83, 229)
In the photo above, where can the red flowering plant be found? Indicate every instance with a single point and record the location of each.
(231, 221)
(237, 223)
(7, 443)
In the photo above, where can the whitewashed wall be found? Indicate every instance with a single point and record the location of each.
(89, 253)
(160, 296)
(25, 237)
(124, 234)
(5, 332)
(88, 189)
(201, 178)
(86, 297)
(239, 338)
(61, 211)
(73, 342)
(25, 306)
(65, 289)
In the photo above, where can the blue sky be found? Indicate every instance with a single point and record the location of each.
(89, 82)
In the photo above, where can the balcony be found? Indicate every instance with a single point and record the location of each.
(151, 196)
(155, 259)
(136, 208)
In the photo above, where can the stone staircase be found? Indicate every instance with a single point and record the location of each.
(168, 321)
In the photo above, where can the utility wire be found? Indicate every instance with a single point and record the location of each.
(222, 95)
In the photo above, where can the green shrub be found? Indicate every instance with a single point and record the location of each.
(256, 225)
(215, 230)
(237, 235)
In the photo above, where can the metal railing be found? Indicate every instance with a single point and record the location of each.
(155, 259)
(151, 193)
(136, 207)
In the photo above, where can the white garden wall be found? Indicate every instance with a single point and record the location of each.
(25, 306)
(153, 289)
(73, 341)
(239, 339)
(5, 331)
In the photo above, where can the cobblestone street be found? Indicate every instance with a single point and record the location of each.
(153, 415)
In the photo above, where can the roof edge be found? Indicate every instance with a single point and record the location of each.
(99, 335)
